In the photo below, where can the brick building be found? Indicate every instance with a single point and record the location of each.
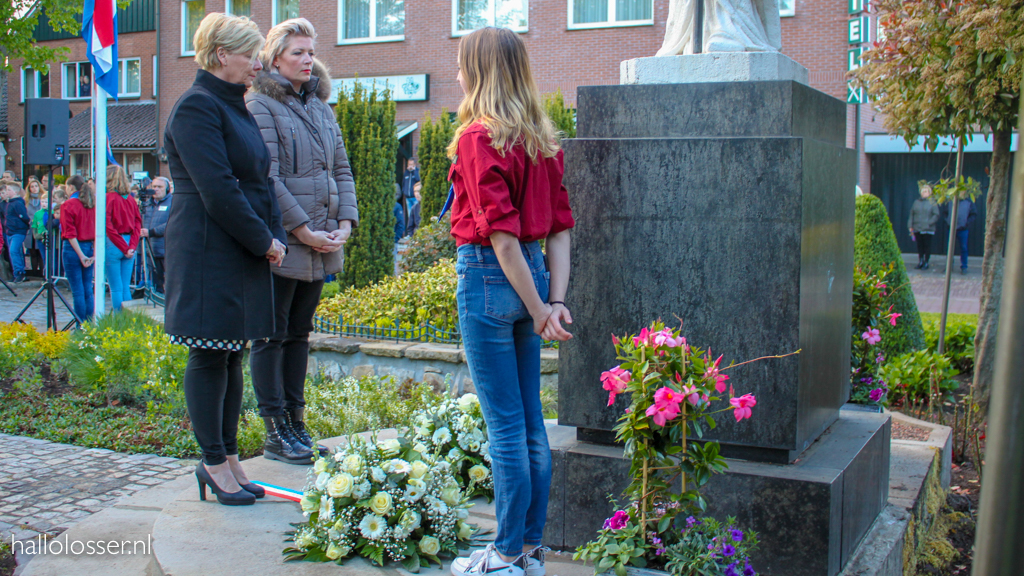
(413, 45)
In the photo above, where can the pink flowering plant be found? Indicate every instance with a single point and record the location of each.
(871, 310)
(675, 391)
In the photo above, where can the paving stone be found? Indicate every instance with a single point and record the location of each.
(385, 349)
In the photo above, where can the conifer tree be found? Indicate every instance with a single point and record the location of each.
(367, 121)
(563, 118)
(434, 162)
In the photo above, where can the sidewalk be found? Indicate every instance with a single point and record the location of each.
(11, 305)
(964, 291)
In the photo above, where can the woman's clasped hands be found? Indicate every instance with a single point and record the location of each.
(325, 242)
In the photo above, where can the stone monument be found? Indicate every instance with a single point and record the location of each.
(724, 199)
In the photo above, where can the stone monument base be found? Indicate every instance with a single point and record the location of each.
(712, 67)
(809, 515)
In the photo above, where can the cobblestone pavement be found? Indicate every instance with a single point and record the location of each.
(46, 487)
(11, 305)
(964, 290)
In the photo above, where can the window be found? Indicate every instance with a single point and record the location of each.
(468, 15)
(77, 80)
(192, 13)
(607, 13)
(371, 21)
(285, 10)
(239, 7)
(787, 7)
(34, 84)
(129, 78)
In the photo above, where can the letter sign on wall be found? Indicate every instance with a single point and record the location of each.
(858, 30)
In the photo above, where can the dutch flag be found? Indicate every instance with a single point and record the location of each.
(99, 28)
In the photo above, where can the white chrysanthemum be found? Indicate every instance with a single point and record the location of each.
(326, 508)
(372, 527)
(441, 436)
(378, 474)
(397, 466)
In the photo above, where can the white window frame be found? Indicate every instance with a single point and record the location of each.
(373, 38)
(156, 70)
(63, 80)
(273, 12)
(455, 19)
(229, 9)
(38, 75)
(787, 13)
(123, 80)
(610, 23)
(184, 30)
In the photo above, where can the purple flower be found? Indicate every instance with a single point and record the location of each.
(659, 551)
(656, 540)
(691, 522)
(730, 570)
(877, 394)
(711, 546)
(728, 550)
(617, 521)
(748, 570)
(737, 535)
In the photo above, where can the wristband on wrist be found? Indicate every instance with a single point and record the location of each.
(556, 302)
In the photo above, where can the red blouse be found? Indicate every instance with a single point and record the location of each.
(510, 193)
(123, 217)
(77, 221)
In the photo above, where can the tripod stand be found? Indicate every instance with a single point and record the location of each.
(48, 287)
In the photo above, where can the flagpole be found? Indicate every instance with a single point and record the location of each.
(100, 163)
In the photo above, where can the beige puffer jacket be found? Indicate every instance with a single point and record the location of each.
(308, 166)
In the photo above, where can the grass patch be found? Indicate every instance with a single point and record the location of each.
(934, 317)
(7, 563)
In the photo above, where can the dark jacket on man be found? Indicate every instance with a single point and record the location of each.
(17, 221)
(965, 215)
(309, 168)
(224, 217)
(409, 180)
(156, 222)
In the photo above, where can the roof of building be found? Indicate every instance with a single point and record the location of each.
(131, 125)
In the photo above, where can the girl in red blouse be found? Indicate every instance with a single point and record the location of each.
(78, 230)
(124, 228)
(507, 174)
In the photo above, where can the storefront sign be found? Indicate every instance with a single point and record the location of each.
(856, 6)
(408, 88)
(858, 30)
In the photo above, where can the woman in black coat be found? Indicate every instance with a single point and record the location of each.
(223, 234)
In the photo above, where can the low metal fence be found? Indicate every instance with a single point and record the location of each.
(424, 333)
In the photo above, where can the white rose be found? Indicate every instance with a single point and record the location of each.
(419, 468)
(341, 485)
(334, 551)
(430, 546)
(310, 502)
(465, 531)
(423, 431)
(353, 464)
(468, 402)
(461, 513)
(321, 480)
(391, 446)
(381, 503)
(320, 466)
(421, 447)
(451, 495)
(478, 473)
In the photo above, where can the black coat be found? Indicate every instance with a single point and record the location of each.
(17, 221)
(223, 219)
(156, 222)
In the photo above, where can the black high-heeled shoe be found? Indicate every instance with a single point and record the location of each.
(240, 498)
(253, 489)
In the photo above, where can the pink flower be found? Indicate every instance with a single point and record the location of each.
(666, 395)
(893, 317)
(614, 381)
(692, 395)
(661, 338)
(644, 339)
(662, 413)
(617, 521)
(872, 336)
(877, 394)
(720, 379)
(742, 406)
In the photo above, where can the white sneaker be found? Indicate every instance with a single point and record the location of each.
(535, 561)
(487, 562)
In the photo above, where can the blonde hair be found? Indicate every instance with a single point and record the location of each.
(235, 34)
(117, 180)
(281, 35)
(502, 94)
(15, 187)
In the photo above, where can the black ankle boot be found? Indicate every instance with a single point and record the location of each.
(281, 444)
(298, 427)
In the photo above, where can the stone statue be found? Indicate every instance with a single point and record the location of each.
(728, 26)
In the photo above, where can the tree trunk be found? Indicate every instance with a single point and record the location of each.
(991, 272)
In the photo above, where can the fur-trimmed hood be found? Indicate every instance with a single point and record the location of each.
(277, 87)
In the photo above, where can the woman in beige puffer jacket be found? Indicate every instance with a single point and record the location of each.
(316, 192)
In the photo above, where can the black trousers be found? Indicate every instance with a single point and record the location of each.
(924, 246)
(158, 274)
(213, 393)
(279, 363)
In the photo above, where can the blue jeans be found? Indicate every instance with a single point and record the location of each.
(80, 279)
(504, 361)
(961, 240)
(118, 269)
(17, 251)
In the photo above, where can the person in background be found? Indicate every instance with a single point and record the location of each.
(313, 182)
(9, 175)
(78, 232)
(399, 212)
(965, 216)
(5, 258)
(410, 178)
(155, 226)
(18, 225)
(35, 196)
(84, 86)
(414, 209)
(924, 215)
(124, 228)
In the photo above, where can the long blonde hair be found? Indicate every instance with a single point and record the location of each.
(117, 180)
(502, 94)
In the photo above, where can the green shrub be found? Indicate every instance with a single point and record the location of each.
(563, 118)
(408, 301)
(331, 289)
(960, 330)
(434, 162)
(126, 356)
(921, 377)
(367, 121)
(871, 297)
(22, 346)
(429, 244)
(875, 247)
(351, 405)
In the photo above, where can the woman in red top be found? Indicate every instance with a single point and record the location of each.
(507, 173)
(124, 228)
(78, 230)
